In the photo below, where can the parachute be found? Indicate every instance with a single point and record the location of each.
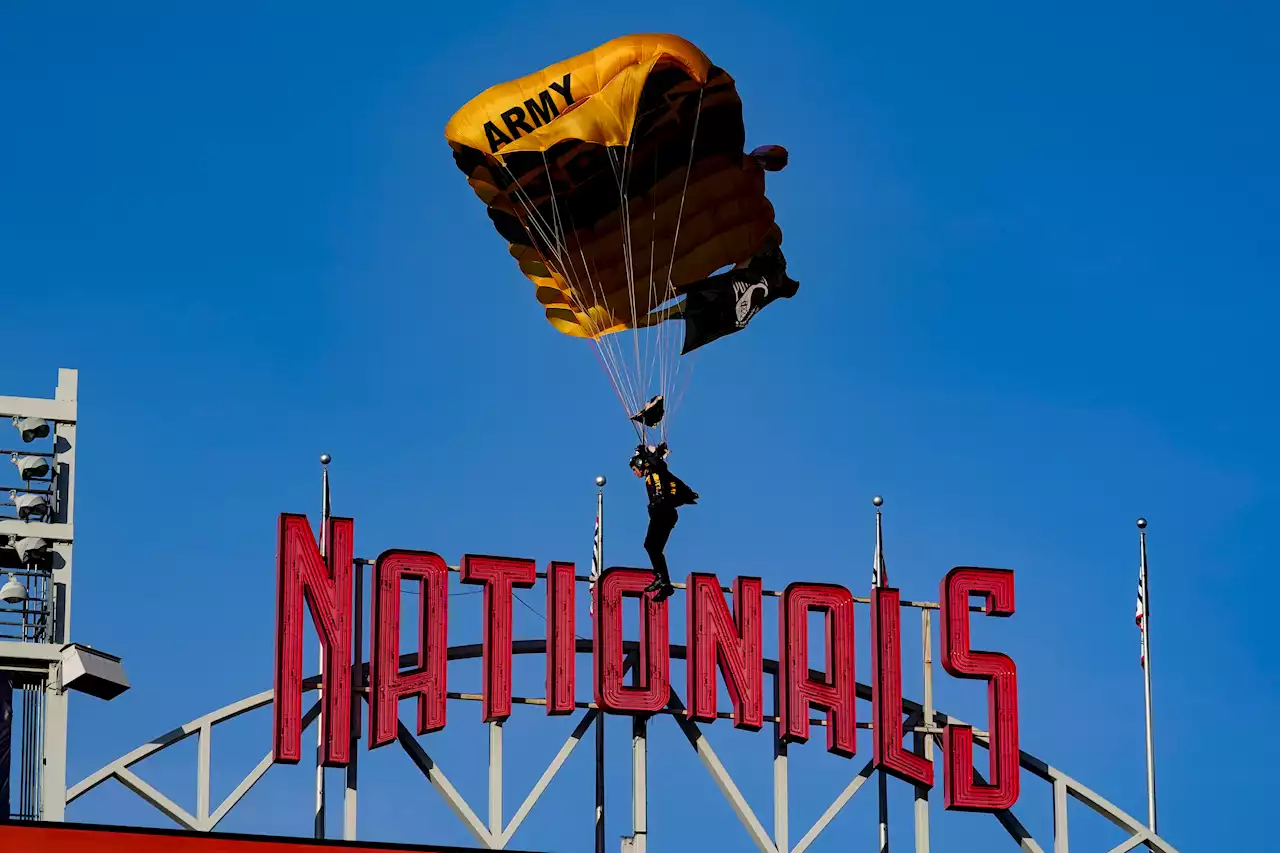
(617, 177)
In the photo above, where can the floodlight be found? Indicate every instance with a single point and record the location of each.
(13, 592)
(31, 507)
(96, 673)
(31, 467)
(28, 548)
(31, 428)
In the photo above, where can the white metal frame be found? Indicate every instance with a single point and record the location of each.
(492, 831)
(38, 666)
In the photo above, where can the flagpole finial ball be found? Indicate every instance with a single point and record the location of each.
(877, 501)
(600, 481)
(1142, 524)
(325, 458)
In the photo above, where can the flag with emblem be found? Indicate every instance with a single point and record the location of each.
(1139, 618)
(595, 567)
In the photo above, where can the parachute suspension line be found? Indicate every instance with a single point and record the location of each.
(560, 250)
(675, 242)
(604, 348)
(608, 350)
(621, 176)
(632, 387)
(633, 402)
(653, 251)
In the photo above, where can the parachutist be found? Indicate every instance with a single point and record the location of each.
(666, 493)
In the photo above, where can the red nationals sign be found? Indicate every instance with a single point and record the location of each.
(723, 641)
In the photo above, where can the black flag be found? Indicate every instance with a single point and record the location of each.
(725, 303)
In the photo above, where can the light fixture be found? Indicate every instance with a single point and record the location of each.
(31, 507)
(28, 548)
(92, 672)
(31, 428)
(31, 467)
(13, 592)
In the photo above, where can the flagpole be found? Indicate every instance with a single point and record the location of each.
(598, 560)
(324, 553)
(1146, 676)
(879, 579)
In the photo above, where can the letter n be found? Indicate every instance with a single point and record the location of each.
(886, 697)
(836, 691)
(427, 682)
(733, 642)
(961, 792)
(325, 584)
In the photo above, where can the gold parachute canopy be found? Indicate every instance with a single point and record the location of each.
(617, 176)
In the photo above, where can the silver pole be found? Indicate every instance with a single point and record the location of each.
(879, 574)
(639, 784)
(879, 578)
(352, 787)
(1146, 676)
(495, 779)
(924, 741)
(324, 528)
(884, 812)
(599, 557)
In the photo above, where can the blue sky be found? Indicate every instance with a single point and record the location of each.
(1038, 260)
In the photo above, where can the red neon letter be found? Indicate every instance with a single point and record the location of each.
(836, 693)
(732, 641)
(960, 791)
(387, 684)
(652, 690)
(561, 641)
(325, 583)
(886, 697)
(500, 575)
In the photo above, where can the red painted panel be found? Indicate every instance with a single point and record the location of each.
(387, 684)
(325, 585)
(653, 690)
(500, 576)
(960, 791)
(886, 697)
(733, 642)
(83, 838)
(561, 639)
(837, 692)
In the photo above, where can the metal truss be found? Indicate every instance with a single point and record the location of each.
(494, 833)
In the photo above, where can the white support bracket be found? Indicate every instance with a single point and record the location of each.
(741, 808)
(59, 411)
(441, 783)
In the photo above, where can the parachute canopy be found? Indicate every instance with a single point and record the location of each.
(617, 176)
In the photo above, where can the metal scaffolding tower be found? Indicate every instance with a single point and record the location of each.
(38, 662)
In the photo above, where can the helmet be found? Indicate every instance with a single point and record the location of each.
(641, 459)
(646, 457)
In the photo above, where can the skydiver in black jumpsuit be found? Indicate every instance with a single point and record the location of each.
(666, 493)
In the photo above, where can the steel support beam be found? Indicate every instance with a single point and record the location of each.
(495, 779)
(639, 784)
